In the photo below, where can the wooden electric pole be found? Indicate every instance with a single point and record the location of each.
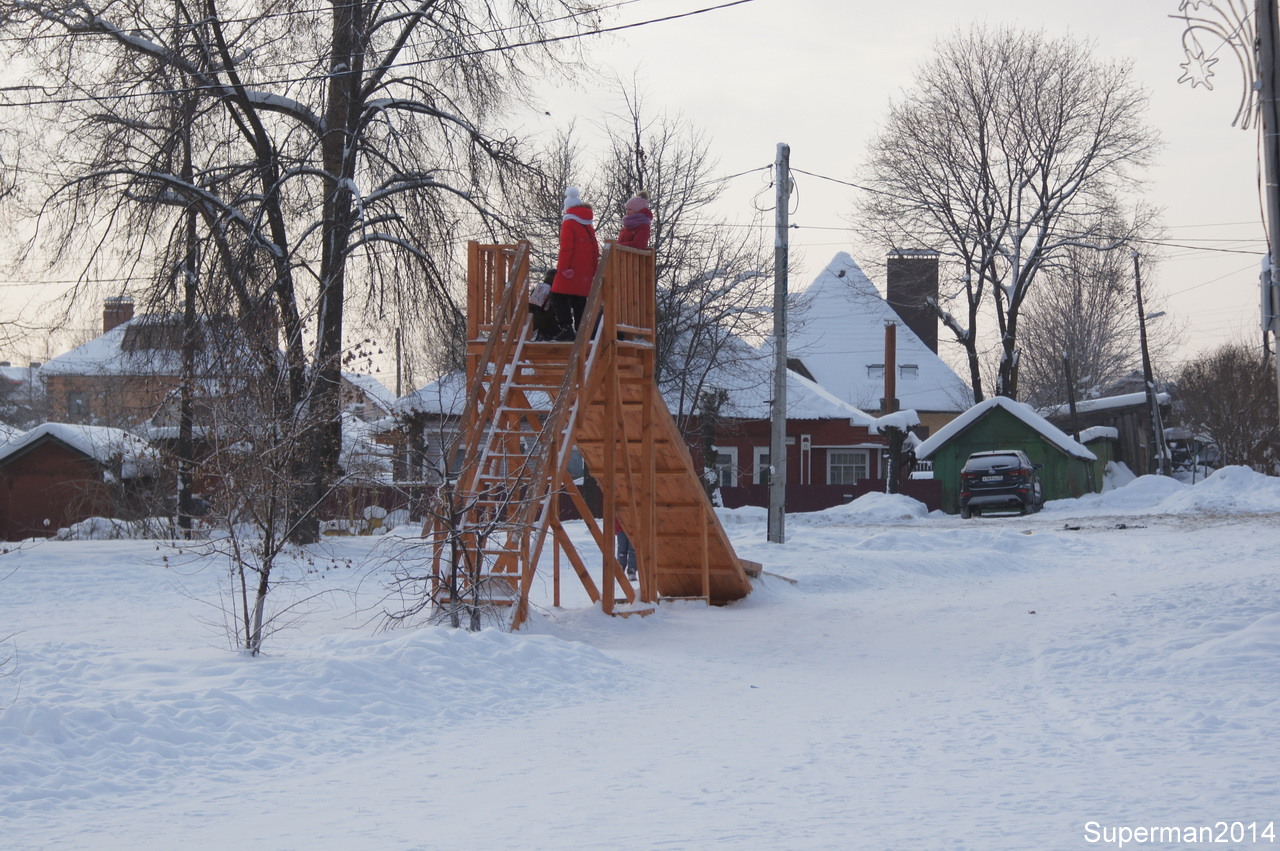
(1155, 457)
(1071, 395)
(778, 424)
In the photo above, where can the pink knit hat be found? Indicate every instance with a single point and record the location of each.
(637, 202)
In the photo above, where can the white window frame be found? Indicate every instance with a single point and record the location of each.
(759, 460)
(864, 466)
(731, 469)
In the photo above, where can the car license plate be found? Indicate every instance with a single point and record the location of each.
(993, 478)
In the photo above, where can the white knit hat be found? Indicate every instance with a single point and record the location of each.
(572, 198)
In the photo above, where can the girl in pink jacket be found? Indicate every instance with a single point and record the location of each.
(636, 221)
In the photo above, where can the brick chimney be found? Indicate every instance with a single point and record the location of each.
(911, 281)
(116, 310)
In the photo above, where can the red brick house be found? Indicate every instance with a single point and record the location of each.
(833, 456)
(59, 474)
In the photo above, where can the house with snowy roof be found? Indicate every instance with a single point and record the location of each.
(1068, 469)
(58, 474)
(844, 372)
(129, 374)
(1128, 414)
(425, 424)
(835, 452)
(123, 376)
(837, 338)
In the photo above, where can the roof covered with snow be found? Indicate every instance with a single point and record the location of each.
(1107, 403)
(446, 396)
(103, 356)
(1046, 429)
(150, 345)
(373, 388)
(103, 444)
(806, 400)
(837, 332)
(1099, 433)
(19, 374)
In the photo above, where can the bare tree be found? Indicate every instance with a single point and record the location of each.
(1011, 148)
(714, 281)
(1228, 396)
(248, 461)
(713, 284)
(1084, 311)
(336, 155)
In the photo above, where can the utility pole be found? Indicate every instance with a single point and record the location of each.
(1071, 395)
(399, 359)
(1155, 459)
(778, 423)
(1268, 37)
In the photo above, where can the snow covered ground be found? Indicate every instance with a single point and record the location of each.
(1109, 664)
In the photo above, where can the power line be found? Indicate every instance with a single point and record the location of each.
(1157, 242)
(1213, 280)
(319, 10)
(311, 78)
(1165, 244)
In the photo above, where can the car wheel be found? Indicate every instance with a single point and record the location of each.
(1024, 509)
(965, 514)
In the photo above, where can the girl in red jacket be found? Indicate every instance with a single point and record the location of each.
(636, 221)
(576, 265)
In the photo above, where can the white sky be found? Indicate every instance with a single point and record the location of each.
(818, 75)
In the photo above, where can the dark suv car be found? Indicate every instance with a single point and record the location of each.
(1001, 480)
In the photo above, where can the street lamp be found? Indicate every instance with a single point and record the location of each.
(1154, 464)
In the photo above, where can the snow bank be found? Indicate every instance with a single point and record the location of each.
(1231, 489)
(746, 515)
(868, 508)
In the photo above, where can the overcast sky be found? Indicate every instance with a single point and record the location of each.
(818, 75)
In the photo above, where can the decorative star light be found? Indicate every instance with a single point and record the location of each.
(1197, 70)
(1220, 23)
